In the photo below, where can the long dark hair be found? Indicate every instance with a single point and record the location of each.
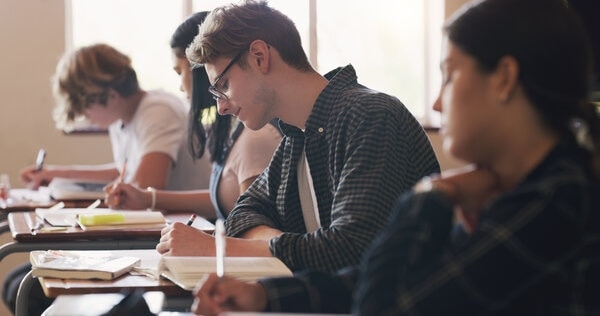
(203, 106)
(550, 44)
(203, 109)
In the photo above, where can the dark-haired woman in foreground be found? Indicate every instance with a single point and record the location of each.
(516, 75)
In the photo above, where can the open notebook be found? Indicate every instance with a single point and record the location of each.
(80, 265)
(101, 218)
(76, 189)
(187, 271)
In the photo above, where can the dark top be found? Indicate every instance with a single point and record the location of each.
(364, 148)
(535, 251)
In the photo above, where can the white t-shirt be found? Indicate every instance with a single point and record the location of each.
(159, 125)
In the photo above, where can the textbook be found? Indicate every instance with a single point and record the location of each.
(187, 271)
(76, 189)
(77, 265)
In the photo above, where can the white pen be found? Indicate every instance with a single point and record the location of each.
(220, 247)
(39, 160)
(94, 204)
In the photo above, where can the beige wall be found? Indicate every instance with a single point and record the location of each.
(32, 40)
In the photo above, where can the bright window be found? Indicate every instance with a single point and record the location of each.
(139, 28)
(394, 45)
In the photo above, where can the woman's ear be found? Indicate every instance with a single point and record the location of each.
(507, 77)
(260, 54)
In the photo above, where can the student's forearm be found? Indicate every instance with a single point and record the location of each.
(248, 248)
(197, 201)
(261, 233)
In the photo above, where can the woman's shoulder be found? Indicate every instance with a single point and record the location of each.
(268, 133)
(252, 144)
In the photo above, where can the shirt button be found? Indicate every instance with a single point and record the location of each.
(321, 130)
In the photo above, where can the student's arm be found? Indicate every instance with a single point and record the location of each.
(179, 239)
(252, 153)
(506, 255)
(153, 171)
(246, 184)
(357, 189)
(262, 232)
(135, 198)
(34, 179)
(307, 292)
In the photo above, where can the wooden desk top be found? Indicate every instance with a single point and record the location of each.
(54, 287)
(25, 200)
(22, 223)
(149, 258)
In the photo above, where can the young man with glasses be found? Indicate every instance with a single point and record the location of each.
(347, 154)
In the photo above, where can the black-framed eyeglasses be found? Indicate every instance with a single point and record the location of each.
(216, 93)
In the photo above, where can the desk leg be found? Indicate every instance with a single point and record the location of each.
(4, 227)
(21, 306)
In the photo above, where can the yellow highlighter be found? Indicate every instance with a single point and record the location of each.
(121, 218)
(101, 219)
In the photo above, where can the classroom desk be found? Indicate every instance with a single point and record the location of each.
(77, 288)
(54, 287)
(74, 238)
(25, 200)
(22, 200)
(99, 304)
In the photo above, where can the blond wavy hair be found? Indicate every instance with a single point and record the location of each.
(89, 72)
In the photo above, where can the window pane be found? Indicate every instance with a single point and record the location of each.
(383, 40)
(139, 28)
(393, 45)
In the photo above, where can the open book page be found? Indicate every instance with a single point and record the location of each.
(78, 265)
(76, 189)
(65, 216)
(148, 258)
(228, 313)
(187, 271)
(33, 197)
(101, 218)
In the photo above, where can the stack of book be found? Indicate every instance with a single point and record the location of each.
(77, 265)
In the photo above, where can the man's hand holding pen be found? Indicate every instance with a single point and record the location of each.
(216, 293)
(179, 239)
